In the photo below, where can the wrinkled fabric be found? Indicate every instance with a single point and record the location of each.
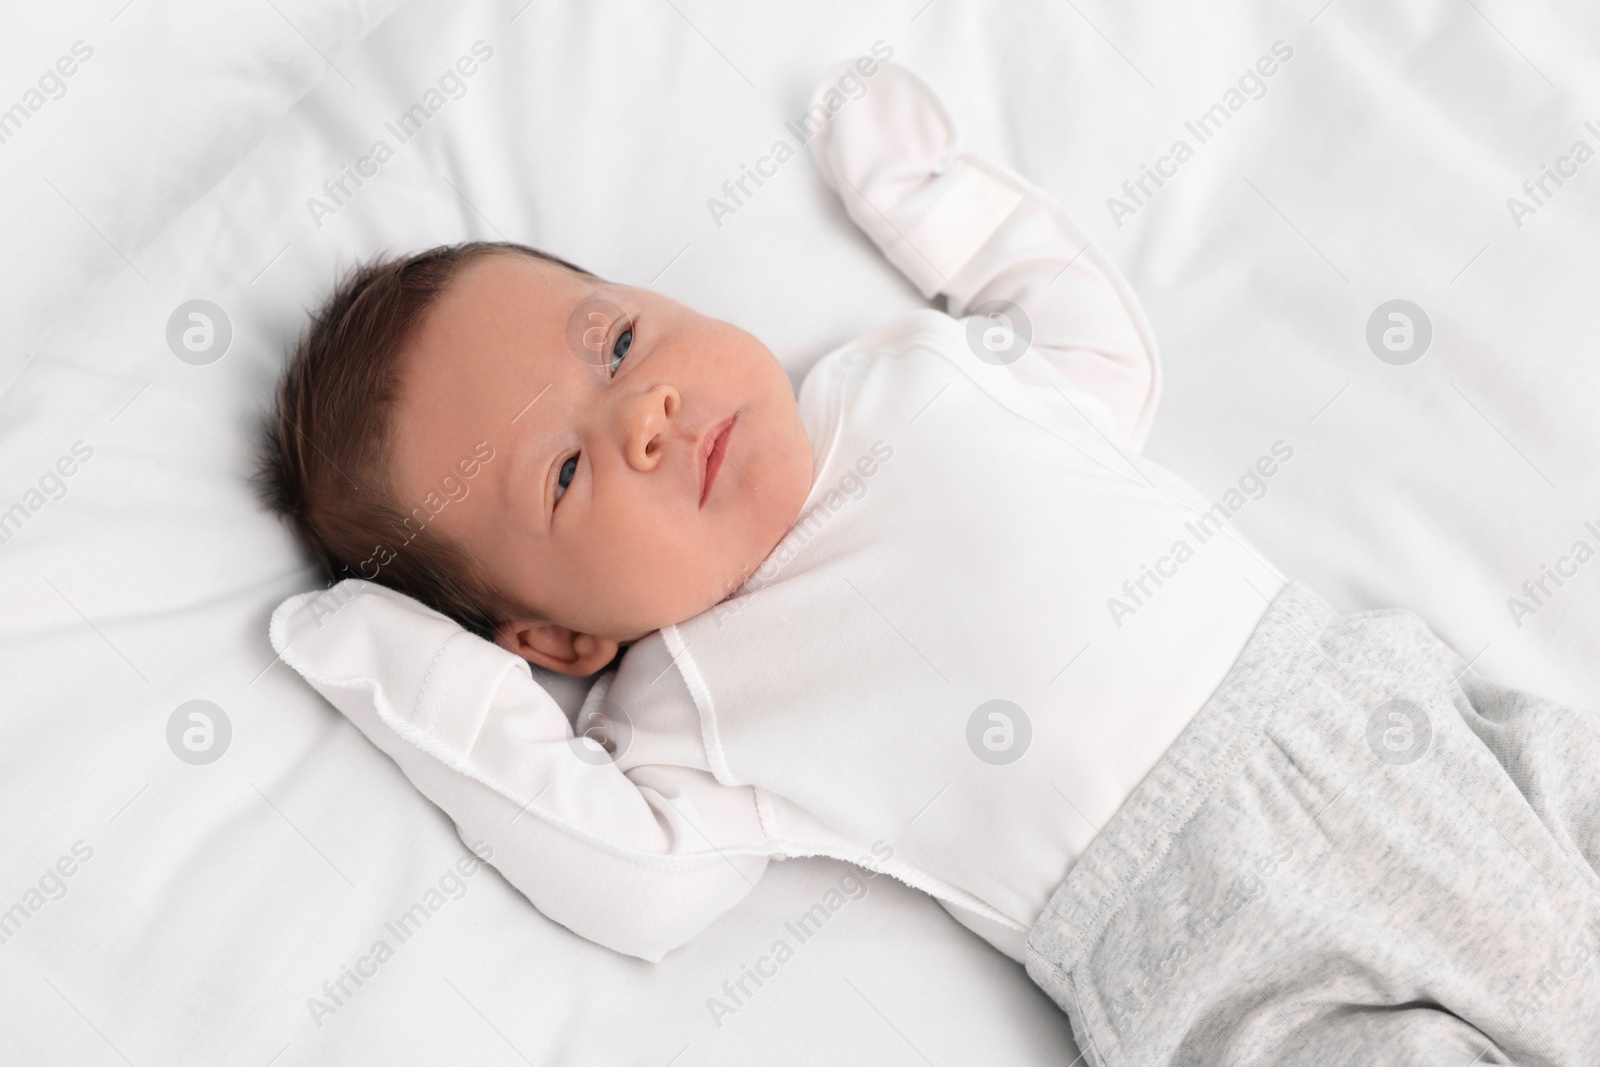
(1360, 851)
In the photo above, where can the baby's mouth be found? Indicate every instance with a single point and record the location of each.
(709, 455)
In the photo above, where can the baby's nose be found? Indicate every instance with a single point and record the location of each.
(649, 420)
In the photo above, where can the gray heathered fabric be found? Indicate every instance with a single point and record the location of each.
(1359, 851)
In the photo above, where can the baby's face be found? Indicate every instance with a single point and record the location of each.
(637, 478)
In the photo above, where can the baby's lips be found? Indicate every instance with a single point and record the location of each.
(709, 460)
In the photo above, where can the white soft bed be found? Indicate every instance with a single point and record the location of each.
(207, 904)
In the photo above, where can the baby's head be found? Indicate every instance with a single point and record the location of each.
(560, 463)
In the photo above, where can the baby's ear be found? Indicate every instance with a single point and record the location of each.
(554, 647)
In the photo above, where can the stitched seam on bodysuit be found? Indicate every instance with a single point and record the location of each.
(422, 690)
(689, 671)
(835, 418)
(700, 693)
(765, 815)
(455, 669)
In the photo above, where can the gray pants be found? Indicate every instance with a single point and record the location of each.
(1359, 851)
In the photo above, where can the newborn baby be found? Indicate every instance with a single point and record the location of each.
(935, 616)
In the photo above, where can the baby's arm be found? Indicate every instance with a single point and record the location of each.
(632, 861)
(960, 225)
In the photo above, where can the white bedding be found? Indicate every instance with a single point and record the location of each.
(216, 899)
(116, 115)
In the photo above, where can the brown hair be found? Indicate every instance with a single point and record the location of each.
(325, 444)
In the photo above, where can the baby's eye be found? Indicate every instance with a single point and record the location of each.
(619, 348)
(568, 468)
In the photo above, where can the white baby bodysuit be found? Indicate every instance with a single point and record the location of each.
(988, 623)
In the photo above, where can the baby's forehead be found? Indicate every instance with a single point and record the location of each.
(500, 269)
(545, 311)
(507, 314)
(500, 296)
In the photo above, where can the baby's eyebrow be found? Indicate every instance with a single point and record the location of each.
(591, 316)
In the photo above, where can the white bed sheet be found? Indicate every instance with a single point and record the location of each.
(218, 898)
(115, 115)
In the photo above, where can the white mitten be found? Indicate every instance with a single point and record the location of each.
(623, 863)
(892, 157)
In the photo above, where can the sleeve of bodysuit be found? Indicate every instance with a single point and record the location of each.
(640, 862)
(960, 225)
